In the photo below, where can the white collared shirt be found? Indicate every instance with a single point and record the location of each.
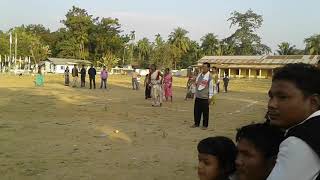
(296, 160)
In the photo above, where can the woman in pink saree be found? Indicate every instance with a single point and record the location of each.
(167, 84)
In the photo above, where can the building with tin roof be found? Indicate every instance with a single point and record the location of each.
(255, 66)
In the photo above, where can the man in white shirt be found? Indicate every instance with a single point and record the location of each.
(204, 94)
(294, 106)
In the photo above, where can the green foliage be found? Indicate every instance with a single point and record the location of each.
(144, 50)
(210, 44)
(180, 44)
(285, 48)
(246, 41)
(101, 40)
(109, 60)
(313, 44)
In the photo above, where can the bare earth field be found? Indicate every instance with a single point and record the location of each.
(56, 132)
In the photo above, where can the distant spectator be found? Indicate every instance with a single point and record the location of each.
(75, 76)
(92, 76)
(66, 76)
(83, 76)
(104, 77)
(135, 84)
(226, 83)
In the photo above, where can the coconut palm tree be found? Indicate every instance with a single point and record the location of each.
(144, 49)
(313, 44)
(286, 48)
(210, 44)
(180, 43)
(179, 39)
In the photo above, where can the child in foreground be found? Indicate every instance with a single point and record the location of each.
(216, 158)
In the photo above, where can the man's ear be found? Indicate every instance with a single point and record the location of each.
(315, 102)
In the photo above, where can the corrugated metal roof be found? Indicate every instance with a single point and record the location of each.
(261, 60)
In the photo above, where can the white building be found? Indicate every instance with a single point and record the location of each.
(59, 65)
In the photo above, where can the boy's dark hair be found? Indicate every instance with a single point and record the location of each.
(223, 148)
(306, 77)
(206, 63)
(266, 138)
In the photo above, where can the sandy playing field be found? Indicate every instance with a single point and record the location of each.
(57, 132)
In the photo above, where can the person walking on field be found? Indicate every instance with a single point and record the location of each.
(167, 84)
(204, 95)
(156, 90)
(75, 76)
(147, 86)
(135, 84)
(104, 77)
(83, 73)
(92, 76)
(66, 76)
(226, 83)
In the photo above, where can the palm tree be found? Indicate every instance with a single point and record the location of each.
(180, 43)
(179, 39)
(132, 38)
(285, 48)
(158, 41)
(313, 44)
(144, 48)
(210, 44)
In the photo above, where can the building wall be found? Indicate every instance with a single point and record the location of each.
(255, 73)
(59, 69)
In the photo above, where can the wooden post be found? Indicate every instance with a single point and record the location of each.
(249, 73)
(239, 73)
(229, 73)
(260, 73)
(219, 72)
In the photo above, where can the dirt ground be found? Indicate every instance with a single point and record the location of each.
(57, 132)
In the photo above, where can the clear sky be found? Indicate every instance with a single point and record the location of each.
(284, 20)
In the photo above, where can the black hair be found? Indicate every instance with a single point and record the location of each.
(206, 63)
(153, 65)
(306, 77)
(266, 138)
(223, 148)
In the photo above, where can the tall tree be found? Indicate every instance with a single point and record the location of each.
(192, 56)
(245, 38)
(78, 22)
(144, 48)
(313, 44)
(180, 43)
(286, 48)
(209, 44)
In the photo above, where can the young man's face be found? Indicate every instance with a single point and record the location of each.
(208, 168)
(287, 104)
(205, 68)
(251, 163)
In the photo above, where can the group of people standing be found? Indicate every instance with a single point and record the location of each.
(83, 72)
(158, 86)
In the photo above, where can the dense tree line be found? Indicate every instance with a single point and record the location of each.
(102, 41)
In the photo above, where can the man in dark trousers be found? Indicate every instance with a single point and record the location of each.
(226, 83)
(204, 94)
(92, 76)
(83, 76)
